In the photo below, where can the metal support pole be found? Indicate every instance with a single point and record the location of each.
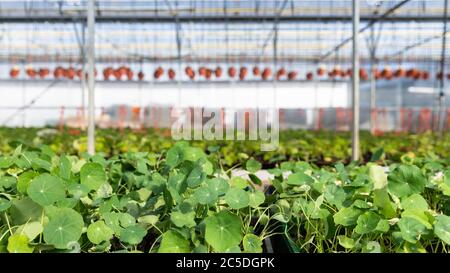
(91, 77)
(355, 86)
(373, 84)
(441, 98)
(83, 75)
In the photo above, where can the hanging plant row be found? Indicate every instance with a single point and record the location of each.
(123, 73)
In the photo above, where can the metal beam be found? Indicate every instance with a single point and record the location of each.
(91, 76)
(134, 58)
(441, 96)
(213, 18)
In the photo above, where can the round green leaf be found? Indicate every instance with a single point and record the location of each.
(298, 179)
(4, 204)
(238, 182)
(347, 216)
(133, 234)
(346, 242)
(237, 198)
(218, 185)
(183, 219)
(65, 226)
(256, 198)
(411, 229)
(442, 228)
(99, 232)
(205, 196)
(252, 243)
(174, 156)
(415, 201)
(18, 243)
(24, 180)
(195, 177)
(406, 180)
(252, 165)
(172, 242)
(92, 175)
(193, 154)
(367, 222)
(31, 230)
(223, 231)
(78, 190)
(46, 189)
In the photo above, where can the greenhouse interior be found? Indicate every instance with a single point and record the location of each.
(224, 126)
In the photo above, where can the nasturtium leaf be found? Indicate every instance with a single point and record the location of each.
(298, 179)
(133, 234)
(6, 162)
(4, 204)
(347, 216)
(252, 243)
(411, 229)
(77, 165)
(419, 215)
(383, 202)
(287, 166)
(206, 166)
(141, 166)
(252, 165)
(18, 243)
(371, 247)
(78, 190)
(361, 204)
(238, 182)
(193, 154)
(256, 198)
(383, 226)
(46, 189)
(442, 228)
(223, 231)
(200, 249)
(237, 198)
(233, 249)
(64, 226)
(92, 175)
(25, 210)
(195, 177)
(38, 162)
(183, 219)
(406, 180)
(219, 185)
(104, 191)
(205, 196)
(24, 180)
(367, 222)
(346, 242)
(148, 219)
(98, 232)
(30, 229)
(7, 182)
(67, 203)
(413, 248)
(415, 201)
(172, 242)
(118, 221)
(335, 195)
(174, 156)
(378, 177)
(65, 167)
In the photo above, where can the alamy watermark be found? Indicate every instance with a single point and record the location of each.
(227, 124)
